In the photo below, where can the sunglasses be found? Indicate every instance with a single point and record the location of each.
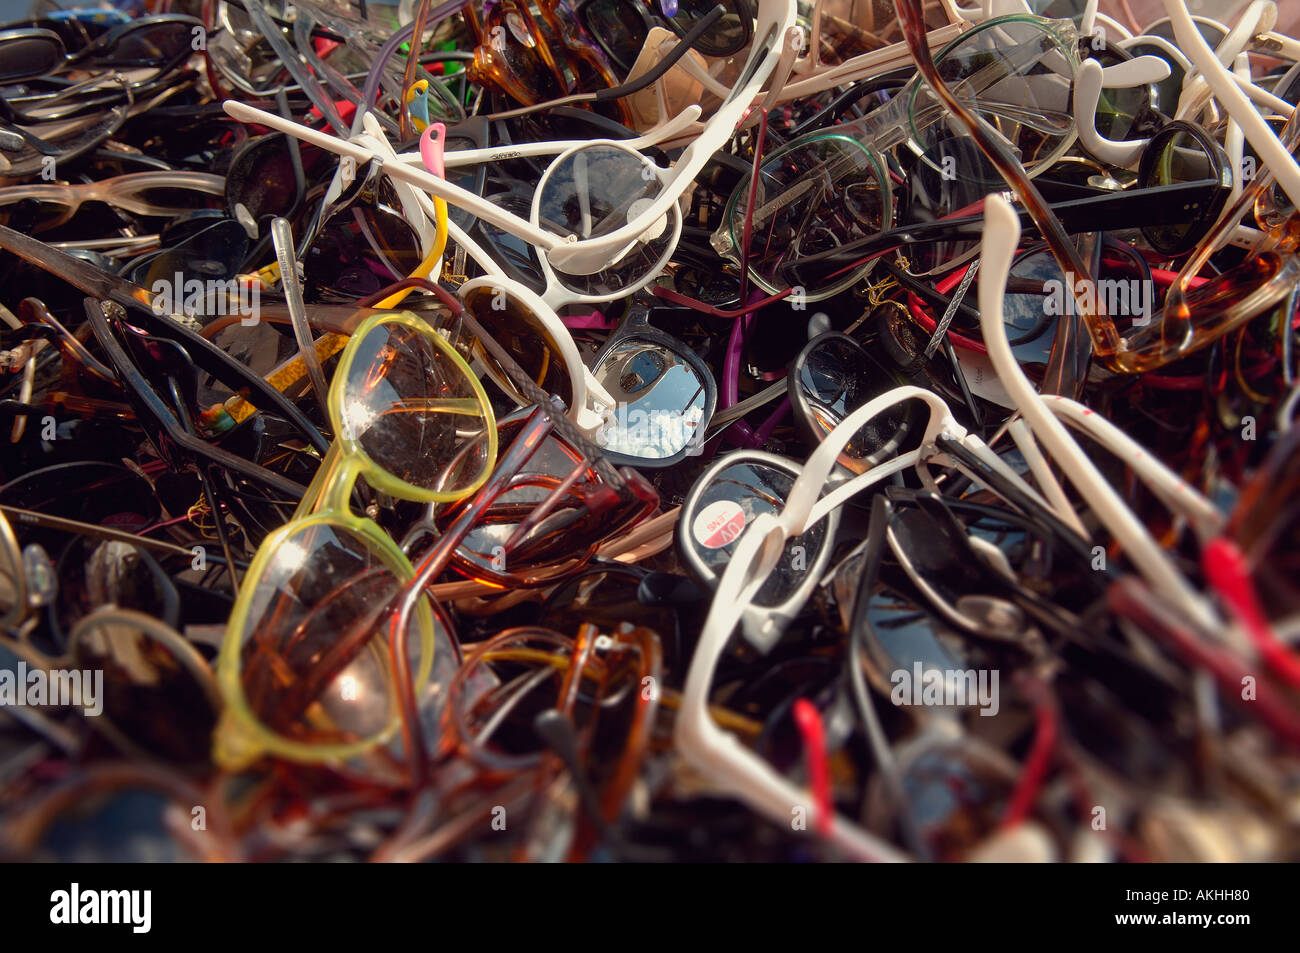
(663, 394)
(160, 41)
(412, 419)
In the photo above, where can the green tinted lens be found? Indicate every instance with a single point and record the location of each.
(1172, 158)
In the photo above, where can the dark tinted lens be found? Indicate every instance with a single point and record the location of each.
(174, 199)
(726, 37)
(731, 500)
(618, 28)
(834, 377)
(1168, 89)
(520, 332)
(151, 44)
(516, 255)
(25, 54)
(1175, 157)
(950, 178)
(362, 248)
(261, 179)
(213, 254)
(1119, 109)
(468, 177)
(1165, 30)
(32, 215)
(597, 190)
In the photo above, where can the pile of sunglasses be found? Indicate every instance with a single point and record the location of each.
(649, 430)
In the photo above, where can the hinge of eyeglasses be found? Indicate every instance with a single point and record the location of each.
(455, 276)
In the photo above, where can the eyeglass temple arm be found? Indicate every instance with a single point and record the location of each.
(526, 442)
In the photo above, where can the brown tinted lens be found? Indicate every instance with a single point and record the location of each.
(314, 657)
(413, 411)
(521, 333)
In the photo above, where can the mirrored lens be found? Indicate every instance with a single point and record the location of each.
(659, 396)
(834, 377)
(594, 191)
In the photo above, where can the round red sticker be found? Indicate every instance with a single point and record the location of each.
(719, 524)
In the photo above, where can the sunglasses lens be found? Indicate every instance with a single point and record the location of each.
(734, 497)
(1119, 109)
(814, 197)
(1030, 328)
(594, 191)
(899, 636)
(522, 334)
(1173, 158)
(156, 701)
(211, 255)
(151, 44)
(660, 400)
(1167, 90)
(834, 377)
(27, 56)
(726, 37)
(313, 664)
(33, 215)
(261, 179)
(359, 251)
(516, 255)
(615, 24)
(413, 411)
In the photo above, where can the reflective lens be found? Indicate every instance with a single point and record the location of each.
(409, 404)
(313, 664)
(596, 190)
(833, 377)
(660, 400)
(732, 498)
